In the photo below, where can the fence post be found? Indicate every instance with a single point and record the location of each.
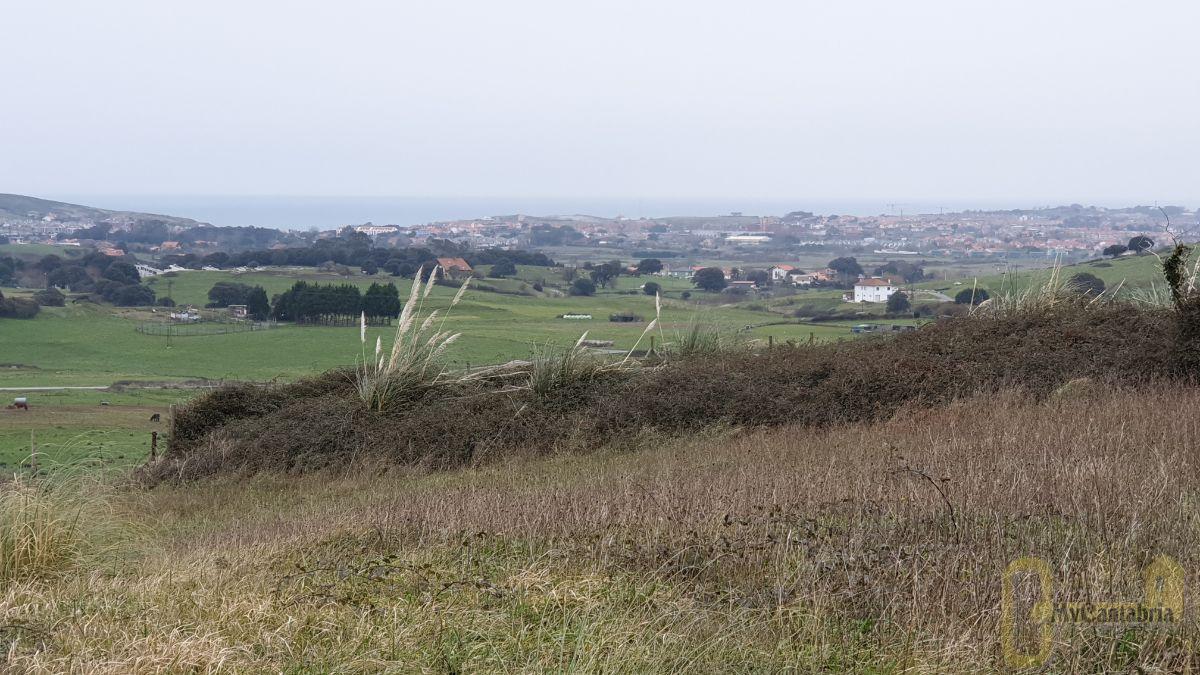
(153, 446)
(770, 342)
(33, 459)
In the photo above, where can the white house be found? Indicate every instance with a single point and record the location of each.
(874, 290)
(780, 272)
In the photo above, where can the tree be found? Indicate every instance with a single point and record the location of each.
(711, 279)
(132, 295)
(122, 273)
(1086, 284)
(910, 272)
(1115, 251)
(226, 293)
(257, 305)
(898, 302)
(1140, 244)
(502, 268)
(382, 301)
(369, 267)
(583, 287)
(971, 296)
(50, 297)
(846, 267)
(651, 288)
(650, 266)
(604, 274)
(761, 278)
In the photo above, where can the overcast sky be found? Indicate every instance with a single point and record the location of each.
(1048, 101)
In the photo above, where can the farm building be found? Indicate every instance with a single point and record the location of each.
(454, 267)
(875, 289)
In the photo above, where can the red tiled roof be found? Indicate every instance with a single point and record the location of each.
(454, 264)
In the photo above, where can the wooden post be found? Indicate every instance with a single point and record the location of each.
(33, 459)
(812, 337)
(770, 342)
(153, 446)
(651, 346)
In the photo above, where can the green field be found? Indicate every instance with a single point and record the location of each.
(85, 344)
(1129, 274)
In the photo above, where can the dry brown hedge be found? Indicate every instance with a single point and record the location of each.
(319, 423)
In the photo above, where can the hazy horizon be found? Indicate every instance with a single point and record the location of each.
(327, 211)
(1019, 102)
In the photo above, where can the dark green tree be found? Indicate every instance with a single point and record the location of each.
(971, 296)
(898, 302)
(711, 279)
(583, 287)
(1086, 283)
(650, 266)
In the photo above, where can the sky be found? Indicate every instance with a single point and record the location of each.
(1047, 102)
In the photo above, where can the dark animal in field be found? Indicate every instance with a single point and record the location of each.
(155, 417)
(19, 405)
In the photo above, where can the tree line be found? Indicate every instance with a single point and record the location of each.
(308, 302)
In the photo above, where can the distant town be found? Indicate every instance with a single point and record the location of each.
(1065, 232)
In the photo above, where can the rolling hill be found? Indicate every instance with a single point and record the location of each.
(22, 207)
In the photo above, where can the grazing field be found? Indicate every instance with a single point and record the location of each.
(90, 428)
(93, 345)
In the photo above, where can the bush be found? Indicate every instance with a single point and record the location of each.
(651, 288)
(1087, 284)
(302, 427)
(502, 268)
(583, 286)
(18, 308)
(50, 297)
(971, 296)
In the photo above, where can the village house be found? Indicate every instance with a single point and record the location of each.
(780, 272)
(454, 267)
(875, 289)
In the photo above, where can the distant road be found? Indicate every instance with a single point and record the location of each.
(47, 388)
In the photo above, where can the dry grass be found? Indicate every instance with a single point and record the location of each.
(782, 549)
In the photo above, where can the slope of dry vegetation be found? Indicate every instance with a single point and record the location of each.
(775, 549)
(321, 422)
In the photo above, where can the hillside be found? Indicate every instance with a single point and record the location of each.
(23, 207)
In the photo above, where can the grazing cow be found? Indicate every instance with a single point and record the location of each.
(20, 404)
(155, 417)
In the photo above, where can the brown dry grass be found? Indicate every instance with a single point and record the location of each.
(782, 549)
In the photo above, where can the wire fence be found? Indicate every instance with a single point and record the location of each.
(201, 328)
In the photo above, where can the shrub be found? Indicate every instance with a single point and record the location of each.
(583, 287)
(50, 297)
(502, 268)
(971, 296)
(651, 288)
(1087, 284)
(18, 308)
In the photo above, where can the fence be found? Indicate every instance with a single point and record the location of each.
(162, 329)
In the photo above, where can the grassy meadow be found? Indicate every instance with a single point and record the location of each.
(93, 345)
(869, 548)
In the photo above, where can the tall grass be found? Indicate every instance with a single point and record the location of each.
(51, 524)
(415, 362)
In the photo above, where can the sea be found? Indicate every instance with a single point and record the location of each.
(326, 212)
